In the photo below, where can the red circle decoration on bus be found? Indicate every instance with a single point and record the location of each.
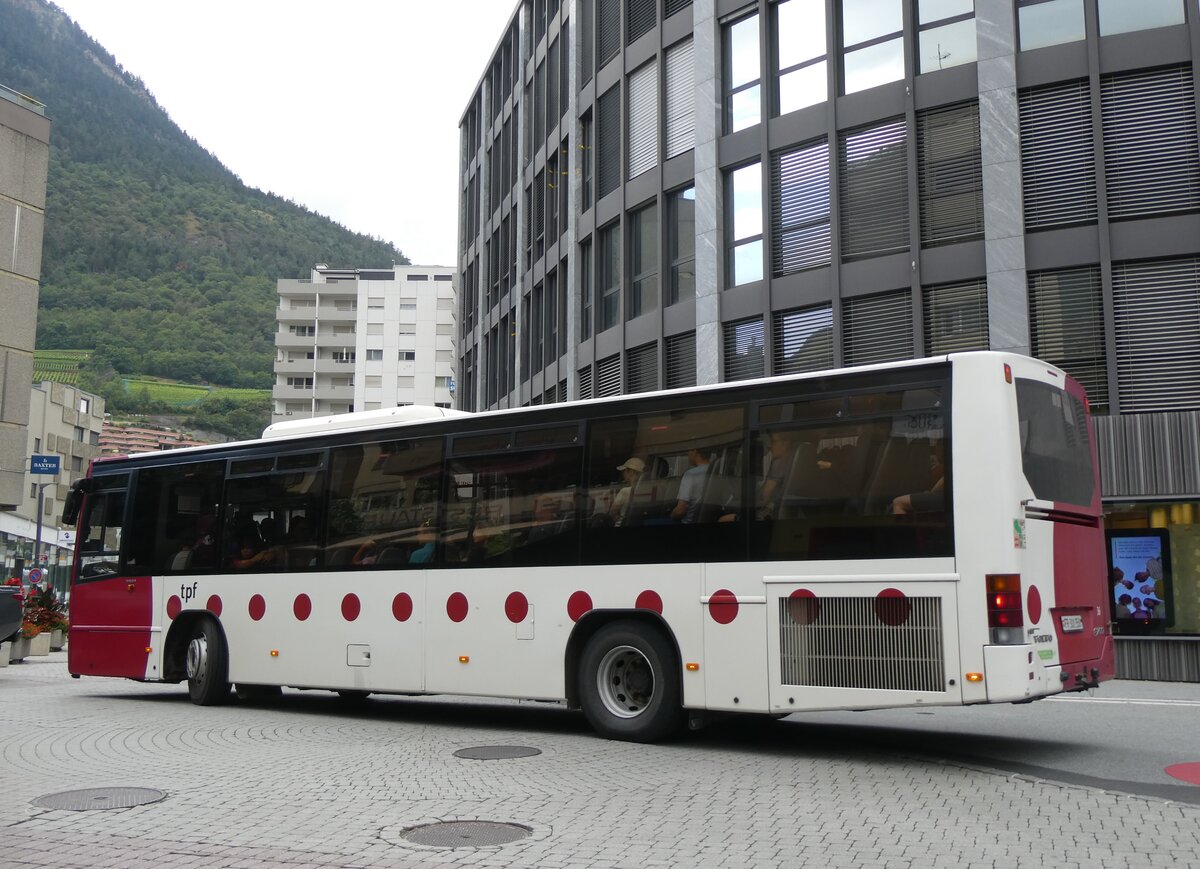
(214, 605)
(257, 607)
(516, 607)
(1188, 772)
(351, 607)
(723, 606)
(457, 606)
(892, 607)
(649, 600)
(302, 607)
(578, 605)
(174, 606)
(402, 607)
(1033, 603)
(804, 607)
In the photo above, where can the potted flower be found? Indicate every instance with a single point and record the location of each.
(45, 611)
(39, 640)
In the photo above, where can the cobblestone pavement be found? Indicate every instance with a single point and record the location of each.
(307, 780)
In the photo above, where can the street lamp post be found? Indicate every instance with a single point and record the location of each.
(37, 544)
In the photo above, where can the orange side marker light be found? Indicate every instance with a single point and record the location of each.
(974, 677)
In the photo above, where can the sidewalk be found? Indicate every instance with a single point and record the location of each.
(309, 781)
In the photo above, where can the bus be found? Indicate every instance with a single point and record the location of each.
(920, 533)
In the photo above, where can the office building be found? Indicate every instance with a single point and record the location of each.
(658, 193)
(364, 339)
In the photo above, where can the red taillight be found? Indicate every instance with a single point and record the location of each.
(1007, 373)
(1004, 601)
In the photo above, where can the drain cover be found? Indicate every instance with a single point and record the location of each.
(465, 834)
(497, 752)
(92, 799)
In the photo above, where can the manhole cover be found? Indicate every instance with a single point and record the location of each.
(497, 752)
(465, 834)
(92, 799)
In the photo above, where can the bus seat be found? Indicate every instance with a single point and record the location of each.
(393, 555)
(340, 557)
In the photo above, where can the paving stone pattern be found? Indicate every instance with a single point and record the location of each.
(309, 780)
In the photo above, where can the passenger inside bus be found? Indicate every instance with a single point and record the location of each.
(691, 489)
(631, 472)
(930, 500)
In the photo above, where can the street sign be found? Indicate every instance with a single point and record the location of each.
(35, 575)
(44, 464)
(453, 386)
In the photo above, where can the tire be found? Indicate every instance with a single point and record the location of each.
(629, 683)
(207, 665)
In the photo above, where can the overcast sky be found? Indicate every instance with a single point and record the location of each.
(347, 107)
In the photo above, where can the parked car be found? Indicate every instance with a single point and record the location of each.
(11, 602)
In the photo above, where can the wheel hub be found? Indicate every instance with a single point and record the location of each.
(197, 658)
(625, 682)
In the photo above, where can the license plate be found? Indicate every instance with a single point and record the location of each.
(1072, 624)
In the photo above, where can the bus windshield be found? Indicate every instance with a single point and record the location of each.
(1056, 453)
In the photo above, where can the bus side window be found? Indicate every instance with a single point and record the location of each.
(517, 508)
(173, 522)
(384, 504)
(266, 505)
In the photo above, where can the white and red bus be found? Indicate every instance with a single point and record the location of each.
(917, 533)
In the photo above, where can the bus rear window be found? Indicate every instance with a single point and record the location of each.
(1056, 454)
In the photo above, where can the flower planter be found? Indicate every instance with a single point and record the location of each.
(5, 651)
(18, 649)
(57, 640)
(39, 645)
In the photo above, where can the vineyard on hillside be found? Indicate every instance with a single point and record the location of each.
(59, 366)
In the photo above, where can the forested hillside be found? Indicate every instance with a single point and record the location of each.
(156, 256)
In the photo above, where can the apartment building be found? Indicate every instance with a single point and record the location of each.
(659, 193)
(364, 339)
(66, 422)
(124, 438)
(24, 161)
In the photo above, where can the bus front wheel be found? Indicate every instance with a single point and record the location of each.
(629, 683)
(207, 665)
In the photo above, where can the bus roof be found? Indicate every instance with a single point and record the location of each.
(387, 418)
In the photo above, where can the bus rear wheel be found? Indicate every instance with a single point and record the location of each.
(629, 683)
(207, 665)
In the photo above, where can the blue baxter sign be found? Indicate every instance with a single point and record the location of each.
(44, 464)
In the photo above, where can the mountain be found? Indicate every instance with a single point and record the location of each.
(156, 256)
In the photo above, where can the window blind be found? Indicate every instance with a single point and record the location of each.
(878, 328)
(1058, 170)
(873, 174)
(643, 119)
(1156, 316)
(744, 349)
(802, 340)
(608, 375)
(956, 317)
(800, 209)
(642, 368)
(680, 115)
(950, 174)
(680, 360)
(608, 158)
(1066, 326)
(1151, 158)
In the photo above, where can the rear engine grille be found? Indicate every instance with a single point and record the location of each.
(861, 642)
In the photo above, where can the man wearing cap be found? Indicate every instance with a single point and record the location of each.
(631, 470)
